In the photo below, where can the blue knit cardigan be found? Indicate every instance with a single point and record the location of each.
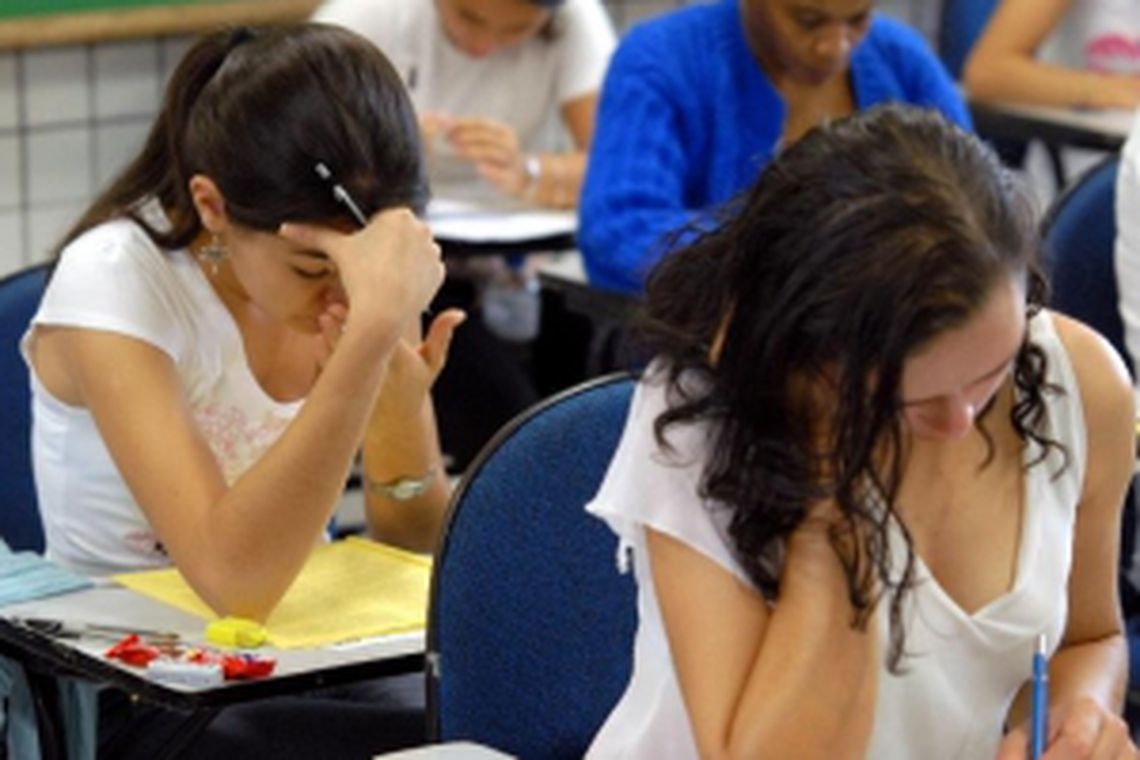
(688, 118)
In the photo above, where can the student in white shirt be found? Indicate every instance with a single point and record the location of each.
(506, 92)
(493, 81)
(219, 338)
(867, 469)
(1071, 53)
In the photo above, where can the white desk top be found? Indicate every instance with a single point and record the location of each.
(447, 751)
(1098, 129)
(1112, 123)
(110, 604)
(504, 222)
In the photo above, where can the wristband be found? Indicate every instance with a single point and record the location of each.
(403, 488)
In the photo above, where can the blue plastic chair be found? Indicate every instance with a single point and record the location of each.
(961, 23)
(530, 631)
(20, 523)
(1079, 234)
(1079, 238)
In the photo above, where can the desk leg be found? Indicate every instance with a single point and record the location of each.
(49, 722)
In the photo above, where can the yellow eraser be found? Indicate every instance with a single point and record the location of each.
(236, 632)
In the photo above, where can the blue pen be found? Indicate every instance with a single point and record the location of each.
(1039, 729)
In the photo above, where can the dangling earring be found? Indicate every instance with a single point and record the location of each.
(213, 254)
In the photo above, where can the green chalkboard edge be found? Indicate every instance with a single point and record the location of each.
(15, 9)
(182, 18)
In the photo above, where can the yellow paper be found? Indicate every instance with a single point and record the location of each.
(350, 589)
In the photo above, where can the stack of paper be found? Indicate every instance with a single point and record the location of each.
(350, 589)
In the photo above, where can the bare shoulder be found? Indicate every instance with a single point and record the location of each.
(1105, 385)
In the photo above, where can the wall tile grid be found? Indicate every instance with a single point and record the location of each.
(71, 116)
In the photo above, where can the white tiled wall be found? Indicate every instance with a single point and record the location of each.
(71, 116)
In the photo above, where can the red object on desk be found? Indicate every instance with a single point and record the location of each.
(132, 651)
(236, 667)
(239, 666)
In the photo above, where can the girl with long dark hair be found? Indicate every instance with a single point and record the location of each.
(223, 333)
(867, 469)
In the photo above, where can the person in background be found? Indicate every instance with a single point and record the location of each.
(697, 101)
(220, 338)
(495, 83)
(1069, 53)
(867, 469)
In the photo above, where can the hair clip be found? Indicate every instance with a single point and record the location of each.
(340, 194)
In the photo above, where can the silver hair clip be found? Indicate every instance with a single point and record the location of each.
(340, 194)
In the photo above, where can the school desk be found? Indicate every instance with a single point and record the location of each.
(447, 751)
(1096, 129)
(45, 657)
(565, 273)
(465, 228)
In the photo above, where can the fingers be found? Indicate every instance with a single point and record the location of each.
(481, 140)
(1089, 732)
(389, 270)
(1015, 745)
(509, 179)
(434, 348)
(435, 123)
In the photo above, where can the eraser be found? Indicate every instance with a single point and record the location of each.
(236, 632)
(179, 673)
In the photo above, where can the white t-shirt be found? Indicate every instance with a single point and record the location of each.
(1097, 35)
(963, 670)
(523, 86)
(113, 278)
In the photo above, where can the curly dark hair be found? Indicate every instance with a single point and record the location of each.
(858, 245)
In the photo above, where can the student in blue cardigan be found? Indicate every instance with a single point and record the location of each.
(697, 101)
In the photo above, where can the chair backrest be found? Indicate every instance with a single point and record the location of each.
(1079, 234)
(20, 523)
(530, 632)
(960, 24)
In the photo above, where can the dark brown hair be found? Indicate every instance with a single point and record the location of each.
(255, 111)
(858, 245)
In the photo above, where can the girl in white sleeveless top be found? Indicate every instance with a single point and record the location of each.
(1071, 53)
(867, 470)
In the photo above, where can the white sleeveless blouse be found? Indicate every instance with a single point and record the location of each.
(963, 670)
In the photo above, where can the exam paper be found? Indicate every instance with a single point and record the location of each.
(473, 222)
(350, 589)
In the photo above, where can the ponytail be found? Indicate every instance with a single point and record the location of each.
(159, 170)
(255, 113)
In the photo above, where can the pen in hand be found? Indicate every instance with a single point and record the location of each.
(343, 197)
(1039, 727)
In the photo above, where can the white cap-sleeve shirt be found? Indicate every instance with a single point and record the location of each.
(962, 670)
(1097, 35)
(115, 279)
(524, 86)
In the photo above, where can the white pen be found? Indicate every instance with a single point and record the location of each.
(340, 193)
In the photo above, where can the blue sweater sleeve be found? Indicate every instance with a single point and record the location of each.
(633, 195)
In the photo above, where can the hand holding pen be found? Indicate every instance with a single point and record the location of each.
(417, 361)
(389, 269)
(1082, 729)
